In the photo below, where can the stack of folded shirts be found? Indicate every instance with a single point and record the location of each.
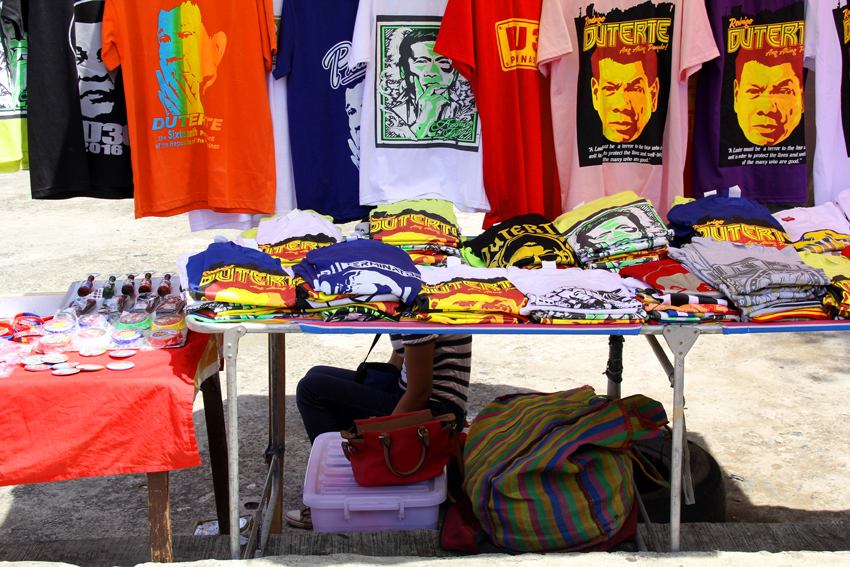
(760, 280)
(574, 295)
(465, 295)
(426, 229)
(822, 229)
(524, 241)
(837, 269)
(672, 293)
(290, 237)
(726, 216)
(603, 231)
(356, 280)
(229, 274)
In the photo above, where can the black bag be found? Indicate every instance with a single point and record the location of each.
(377, 375)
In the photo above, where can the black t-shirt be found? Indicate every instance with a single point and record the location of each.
(523, 241)
(77, 123)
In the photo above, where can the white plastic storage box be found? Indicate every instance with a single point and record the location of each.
(338, 504)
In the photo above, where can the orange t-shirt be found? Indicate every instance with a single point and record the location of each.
(198, 111)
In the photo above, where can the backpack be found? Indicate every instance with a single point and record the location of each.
(553, 472)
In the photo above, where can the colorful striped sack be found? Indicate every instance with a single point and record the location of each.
(551, 472)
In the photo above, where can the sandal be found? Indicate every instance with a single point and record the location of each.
(300, 518)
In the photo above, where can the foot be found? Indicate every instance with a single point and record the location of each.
(300, 518)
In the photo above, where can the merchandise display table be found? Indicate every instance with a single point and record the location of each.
(108, 422)
(679, 338)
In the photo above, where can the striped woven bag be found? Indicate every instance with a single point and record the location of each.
(551, 472)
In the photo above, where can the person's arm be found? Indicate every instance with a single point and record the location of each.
(419, 361)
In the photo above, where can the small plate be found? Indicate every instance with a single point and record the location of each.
(122, 353)
(66, 371)
(120, 365)
(37, 367)
(90, 367)
(54, 358)
(32, 360)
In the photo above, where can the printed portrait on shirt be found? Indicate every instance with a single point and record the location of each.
(762, 109)
(624, 82)
(609, 227)
(101, 91)
(421, 100)
(351, 81)
(13, 75)
(189, 56)
(842, 26)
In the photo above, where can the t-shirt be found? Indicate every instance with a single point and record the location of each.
(669, 276)
(469, 295)
(324, 100)
(524, 241)
(828, 53)
(620, 73)
(452, 359)
(289, 238)
(613, 225)
(412, 222)
(228, 272)
(816, 229)
(420, 134)
(493, 43)
(14, 153)
(574, 291)
(749, 121)
(77, 119)
(361, 267)
(196, 95)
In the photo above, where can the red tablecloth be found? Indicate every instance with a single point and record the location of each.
(101, 423)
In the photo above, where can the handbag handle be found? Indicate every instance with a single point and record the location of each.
(424, 438)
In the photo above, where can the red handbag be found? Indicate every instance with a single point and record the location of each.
(399, 449)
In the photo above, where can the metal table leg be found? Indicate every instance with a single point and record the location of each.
(614, 371)
(680, 340)
(231, 348)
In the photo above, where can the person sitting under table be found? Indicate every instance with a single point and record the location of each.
(434, 375)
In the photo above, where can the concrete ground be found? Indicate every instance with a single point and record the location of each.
(768, 407)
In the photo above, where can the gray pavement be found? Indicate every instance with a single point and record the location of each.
(768, 407)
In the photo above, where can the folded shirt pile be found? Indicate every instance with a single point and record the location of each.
(837, 269)
(426, 229)
(820, 229)
(466, 295)
(673, 294)
(524, 241)
(356, 280)
(291, 236)
(606, 233)
(759, 280)
(726, 216)
(574, 295)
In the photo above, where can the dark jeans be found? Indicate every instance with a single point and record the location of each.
(330, 400)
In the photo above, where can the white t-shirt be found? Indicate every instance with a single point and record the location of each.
(420, 134)
(827, 54)
(295, 224)
(573, 290)
(800, 221)
(600, 150)
(205, 219)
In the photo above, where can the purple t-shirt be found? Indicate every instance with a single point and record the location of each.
(749, 127)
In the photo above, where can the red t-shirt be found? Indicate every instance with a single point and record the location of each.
(197, 106)
(493, 43)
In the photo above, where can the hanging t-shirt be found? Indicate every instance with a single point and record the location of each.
(828, 54)
(195, 77)
(816, 229)
(749, 106)
(420, 134)
(324, 99)
(14, 153)
(493, 43)
(613, 225)
(524, 241)
(77, 119)
(415, 222)
(620, 73)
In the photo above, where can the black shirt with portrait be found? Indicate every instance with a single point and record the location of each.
(524, 241)
(77, 123)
